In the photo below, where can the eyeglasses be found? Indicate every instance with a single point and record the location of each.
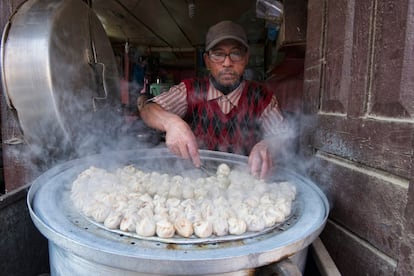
(219, 57)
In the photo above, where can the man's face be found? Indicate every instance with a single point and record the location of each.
(227, 61)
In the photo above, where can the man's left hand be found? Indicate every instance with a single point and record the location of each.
(260, 160)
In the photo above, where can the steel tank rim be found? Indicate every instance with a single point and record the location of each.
(128, 256)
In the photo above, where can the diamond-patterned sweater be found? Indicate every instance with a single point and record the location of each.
(235, 132)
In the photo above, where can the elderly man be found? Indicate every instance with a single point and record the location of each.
(223, 111)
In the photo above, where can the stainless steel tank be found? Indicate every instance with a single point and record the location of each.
(79, 247)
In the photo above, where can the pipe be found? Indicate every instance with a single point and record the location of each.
(171, 49)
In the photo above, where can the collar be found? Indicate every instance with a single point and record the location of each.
(225, 89)
(233, 97)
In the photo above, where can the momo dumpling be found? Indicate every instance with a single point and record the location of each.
(128, 222)
(220, 226)
(113, 220)
(164, 229)
(283, 205)
(172, 202)
(163, 189)
(252, 201)
(200, 192)
(176, 212)
(275, 214)
(188, 192)
(236, 226)
(100, 213)
(146, 227)
(288, 190)
(176, 190)
(254, 223)
(223, 170)
(266, 199)
(203, 228)
(145, 212)
(183, 227)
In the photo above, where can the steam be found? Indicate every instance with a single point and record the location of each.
(295, 152)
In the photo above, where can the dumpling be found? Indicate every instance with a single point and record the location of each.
(223, 181)
(274, 214)
(288, 190)
(223, 170)
(236, 226)
(207, 208)
(243, 210)
(145, 212)
(200, 192)
(161, 211)
(146, 227)
(220, 226)
(147, 199)
(176, 190)
(183, 227)
(227, 212)
(203, 228)
(163, 189)
(165, 229)
(107, 198)
(175, 212)
(188, 192)
(89, 208)
(266, 198)
(100, 213)
(283, 205)
(172, 202)
(128, 222)
(254, 223)
(151, 188)
(261, 187)
(159, 203)
(192, 214)
(252, 201)
(113, 220)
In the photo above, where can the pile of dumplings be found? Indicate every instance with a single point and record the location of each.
(150, 204)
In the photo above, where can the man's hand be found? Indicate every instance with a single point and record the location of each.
(260, 160)
(179, 137)
(180, 140)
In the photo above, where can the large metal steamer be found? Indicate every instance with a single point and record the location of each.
(79, 247)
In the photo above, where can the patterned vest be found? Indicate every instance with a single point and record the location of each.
(235, 132)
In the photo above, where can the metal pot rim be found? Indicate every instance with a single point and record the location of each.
(107, 248)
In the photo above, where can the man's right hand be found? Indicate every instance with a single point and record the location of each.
(181, 140)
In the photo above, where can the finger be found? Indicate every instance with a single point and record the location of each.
(264, 169)
(254, 164)
(194, 154)
(184, 151)
(267, 165)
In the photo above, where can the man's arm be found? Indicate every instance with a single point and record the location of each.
(155, 116)
(179, 137)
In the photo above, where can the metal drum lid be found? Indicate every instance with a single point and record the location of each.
(59, 71)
